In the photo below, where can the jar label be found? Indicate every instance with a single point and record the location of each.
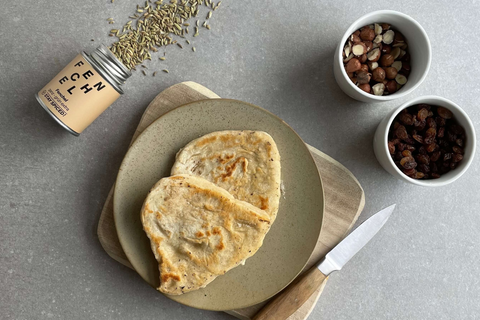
(78, 94)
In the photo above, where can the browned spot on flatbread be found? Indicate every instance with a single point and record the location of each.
(199, 234)
(208, 233)
(231, 167)
(217, 230)
(206, 141)
(167, 276)
(263, 202)
(220, 246)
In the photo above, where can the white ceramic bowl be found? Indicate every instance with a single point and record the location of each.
(380, 142)
(418, 47)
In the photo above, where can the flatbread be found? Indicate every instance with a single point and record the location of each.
(245, 163)
(199, 231)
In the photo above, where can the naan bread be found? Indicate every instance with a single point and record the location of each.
(199, 231)
(245, 163)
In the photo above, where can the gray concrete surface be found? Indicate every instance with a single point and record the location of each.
(275, 54)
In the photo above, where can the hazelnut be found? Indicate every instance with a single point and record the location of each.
(347, 49)
(402, 53)
(386, 48)
(386, 60)
(397, 65)
(350, 74)
(401, 79)
(369, 45)
(391, 86)
(374, 55)
(378, 29)
(367, 34)
(372, 65)
(378, 89)
(355, 39)
(363, 58)
(365, 87)
(391, 72)
(359, 49)
(378, 74)
(395, 53)
(363, 77)
(364, 67)
(354, 80)
(377, 45)
(398, 38)
(405, 69)
(385, 26)
(357, 33)
(348, 58)
(406, 57)
(388, 37)
(353, 65)
(378, 39)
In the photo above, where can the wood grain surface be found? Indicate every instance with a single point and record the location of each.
(344, 197)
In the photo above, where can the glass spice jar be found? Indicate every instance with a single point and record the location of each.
(85, 88)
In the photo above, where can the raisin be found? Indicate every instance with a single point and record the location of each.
(441, 132)
(398, 156)
(395, 141)
(408, 163)
(457, 149)
(410, 147)
(423, 168)
(418, 138)
(420, 125)
(459, 142)
(447, 156)
(435, 176)
(401, 132)
(406, 153)
(401, 146)
(418, 175)
(440, 121)
(457, 157)
(430, 113)
(422, 150)
(424, 106)
(444, 113)
(396, 125)
(435, 156)
(422, 114)
(406, 119)
(431, 123)
(431, 147)
(434, 167)
(391, 147)
(409, 172)
(423, 159)
(409, 140)
(430, 136)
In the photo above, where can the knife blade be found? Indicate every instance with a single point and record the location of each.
(293, 297)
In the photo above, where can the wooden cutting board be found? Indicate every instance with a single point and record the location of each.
(344, 197)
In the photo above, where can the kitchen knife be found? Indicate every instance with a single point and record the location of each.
(293, 297)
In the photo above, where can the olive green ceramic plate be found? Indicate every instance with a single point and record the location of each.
(293, 236)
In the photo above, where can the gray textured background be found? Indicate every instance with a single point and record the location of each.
(276, 54)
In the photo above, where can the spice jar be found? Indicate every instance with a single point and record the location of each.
(85, 88)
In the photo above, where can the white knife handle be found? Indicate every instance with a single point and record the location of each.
(293, 297)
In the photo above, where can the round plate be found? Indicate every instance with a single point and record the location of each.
(289, 243)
